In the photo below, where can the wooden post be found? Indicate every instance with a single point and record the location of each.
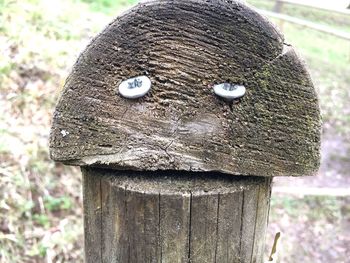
(174, 216)
(180, 174)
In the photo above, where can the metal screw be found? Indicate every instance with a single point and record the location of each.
(229, 91)
(136, 87)
(64, 133)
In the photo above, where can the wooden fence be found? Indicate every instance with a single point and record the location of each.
(278, 9)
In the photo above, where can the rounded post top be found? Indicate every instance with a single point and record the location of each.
(186, 49)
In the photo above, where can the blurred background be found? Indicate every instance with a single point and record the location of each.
(41, 203)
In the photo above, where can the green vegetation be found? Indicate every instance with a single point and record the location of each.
(40, 202)
(109, 6)
(313, 227)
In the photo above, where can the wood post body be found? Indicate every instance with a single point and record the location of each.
(133, 217)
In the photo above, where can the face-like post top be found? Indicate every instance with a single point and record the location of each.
(192, 86)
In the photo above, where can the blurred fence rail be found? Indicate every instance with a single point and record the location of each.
(312, 191)
(278, 9)
(344, 11)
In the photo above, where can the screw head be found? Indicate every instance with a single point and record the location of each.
(136, 87)
(229, 91)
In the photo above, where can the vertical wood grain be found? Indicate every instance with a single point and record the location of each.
(92, 217)
(151, 217)
(204, 230)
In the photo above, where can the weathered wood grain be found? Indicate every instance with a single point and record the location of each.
(262, 214)
(229, 226)
(185, 47)
(174, 225)
(92, 218)
(204, 227)
(175, 217)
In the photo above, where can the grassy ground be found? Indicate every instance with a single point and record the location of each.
(315, 229)
(41, 203)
